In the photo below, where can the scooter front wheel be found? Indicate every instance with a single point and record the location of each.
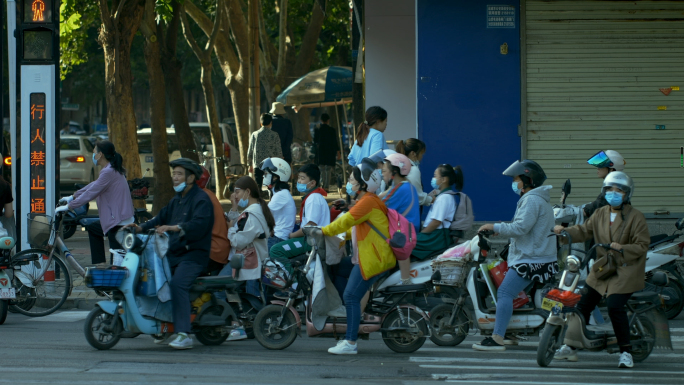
(642, 343)
(404, 331)
(272, 332)
(548, 344)
(98, 331)
(445, 334)
(4, 306)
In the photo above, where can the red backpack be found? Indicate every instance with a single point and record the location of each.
(403, 237)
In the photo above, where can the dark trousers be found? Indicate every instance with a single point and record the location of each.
(258, 176)
(97, 245)
(183, 276)
(616, 310)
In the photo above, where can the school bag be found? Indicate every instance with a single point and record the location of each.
(403, 237)
(464, 217)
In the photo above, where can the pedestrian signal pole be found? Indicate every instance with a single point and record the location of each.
(35, 153)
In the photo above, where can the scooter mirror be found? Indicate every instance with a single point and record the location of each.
(660, 279)
(680, 224)
(237, 262)
(567, 187)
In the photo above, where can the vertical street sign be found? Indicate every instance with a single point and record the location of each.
(34, 33)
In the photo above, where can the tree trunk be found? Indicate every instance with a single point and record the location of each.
(216, 137)
(116, 37)
(239, 95)
(163, 191)
(174, 87)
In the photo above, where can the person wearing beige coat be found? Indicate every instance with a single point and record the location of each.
(624, 228)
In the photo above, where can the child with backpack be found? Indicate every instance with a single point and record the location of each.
(403, 198)
(464, 217)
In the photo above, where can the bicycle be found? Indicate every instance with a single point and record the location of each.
(43, 281)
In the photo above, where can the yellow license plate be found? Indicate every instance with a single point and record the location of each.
(549, 304)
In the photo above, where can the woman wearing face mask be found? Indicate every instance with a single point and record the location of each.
(625, 229)
(276, 174)
(414, 149)
(249, 230)
(113, 197)
(532, 253)
(372, 255)
(369, 136)
(435, 233)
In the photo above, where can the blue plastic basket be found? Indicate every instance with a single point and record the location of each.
(110, 277)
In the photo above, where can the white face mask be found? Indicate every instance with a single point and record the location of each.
(267, 179)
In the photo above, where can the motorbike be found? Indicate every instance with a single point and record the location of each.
(404, 326)
(647, 321)
(662, 254)
(7, 292)
(475, 305)
(212, 319)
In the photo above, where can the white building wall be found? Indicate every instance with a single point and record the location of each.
(390, 60)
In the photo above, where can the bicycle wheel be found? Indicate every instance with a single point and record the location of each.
(45, 293)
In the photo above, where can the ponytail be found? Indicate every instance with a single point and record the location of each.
(109, 152)
(410, 145)
(458, 181)
(270, 221)
(373, 115)
(246, 182)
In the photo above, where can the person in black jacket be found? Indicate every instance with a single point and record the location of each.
(605, 162)
(328, 149)
(283, 126)
(188, 219)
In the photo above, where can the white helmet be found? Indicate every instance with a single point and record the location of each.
(620, 180)
(370, 174)
(275, 166)
(609, 159)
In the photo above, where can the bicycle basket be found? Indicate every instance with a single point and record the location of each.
(139, 188)
(105, 278)
(453, 272)
(39, 229)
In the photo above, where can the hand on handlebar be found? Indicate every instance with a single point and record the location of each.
(62, 209)
(616, 246)
(488, 228)
(66, 200)
(558, 229)
(133, 227)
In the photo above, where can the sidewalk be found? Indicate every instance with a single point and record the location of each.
(85, 298)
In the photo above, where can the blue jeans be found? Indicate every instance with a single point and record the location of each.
(353, 294)
(511, 286)
(183, 276)
(272, 241)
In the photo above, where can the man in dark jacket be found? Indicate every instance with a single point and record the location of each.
(188, 219)
(283, 127)
(605, 163)
(325, 137)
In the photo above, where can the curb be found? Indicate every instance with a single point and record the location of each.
(70, 303)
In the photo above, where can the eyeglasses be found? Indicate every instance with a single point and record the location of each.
(600, 160)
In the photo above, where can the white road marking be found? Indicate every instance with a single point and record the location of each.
(65, 316)
(448, 350)
(531, 368)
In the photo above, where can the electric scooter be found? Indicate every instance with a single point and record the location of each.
(566, 320)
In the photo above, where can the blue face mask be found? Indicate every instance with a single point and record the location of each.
(614, 198)
(433, 183)
(94, 160)
(516, 189)
(243, 203)
(180, 187)
(301, 187)
(351, 192)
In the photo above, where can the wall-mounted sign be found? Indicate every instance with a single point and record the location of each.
(37, 156)
(500, 16)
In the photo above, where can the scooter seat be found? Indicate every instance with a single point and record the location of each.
(406, 288)
(647, 296)
(224, 281)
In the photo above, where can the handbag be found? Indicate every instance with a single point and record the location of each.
(604, 267)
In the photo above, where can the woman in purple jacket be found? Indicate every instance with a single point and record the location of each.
(113, 197)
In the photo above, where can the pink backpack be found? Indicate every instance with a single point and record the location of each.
(403, 237)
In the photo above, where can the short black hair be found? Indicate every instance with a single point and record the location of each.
(312, 171)
(266, 119)
(359, 179)
(325, 117)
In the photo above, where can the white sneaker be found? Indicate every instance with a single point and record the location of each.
(406, 281)
(566, 353)
(626, 360)
(182, 342)
(237, 334)
(343, 347)
(165, 338)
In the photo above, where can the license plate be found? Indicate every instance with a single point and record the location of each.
(149, 159)
(548, 304)
(7, 293)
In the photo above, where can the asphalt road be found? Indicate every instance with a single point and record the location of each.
(53, 350)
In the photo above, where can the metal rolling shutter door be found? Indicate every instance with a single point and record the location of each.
(594, 74)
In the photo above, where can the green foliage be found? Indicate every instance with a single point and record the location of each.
(76, 17)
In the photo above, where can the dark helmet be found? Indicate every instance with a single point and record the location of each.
(189, 165)
(204, 179)
(530, 172)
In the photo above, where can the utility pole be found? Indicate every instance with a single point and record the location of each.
(254, 83)
(358, 100)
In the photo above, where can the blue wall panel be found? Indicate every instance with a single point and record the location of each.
(469, 99)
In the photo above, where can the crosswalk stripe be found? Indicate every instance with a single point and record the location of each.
(65, 316)
(447, 350)
(473, 382)
(494, 378)
(514, 368)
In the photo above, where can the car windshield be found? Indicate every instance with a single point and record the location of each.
(145, 143)
(203, 135)
(69, 144)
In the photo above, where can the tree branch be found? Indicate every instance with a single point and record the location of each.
(238, 25)
(190, 38)
(307, 49)
(266, 44)
(217, 27)
(223, 46)
(147, 25)
(118, 10)
(106, 20)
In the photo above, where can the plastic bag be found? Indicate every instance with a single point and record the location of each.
(117, 256)
(497, 270)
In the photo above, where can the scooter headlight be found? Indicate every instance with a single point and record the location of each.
(572, 263)
(128, 241)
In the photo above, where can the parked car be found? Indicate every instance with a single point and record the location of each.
(76, 161)
(145, 150)
(98, 136)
